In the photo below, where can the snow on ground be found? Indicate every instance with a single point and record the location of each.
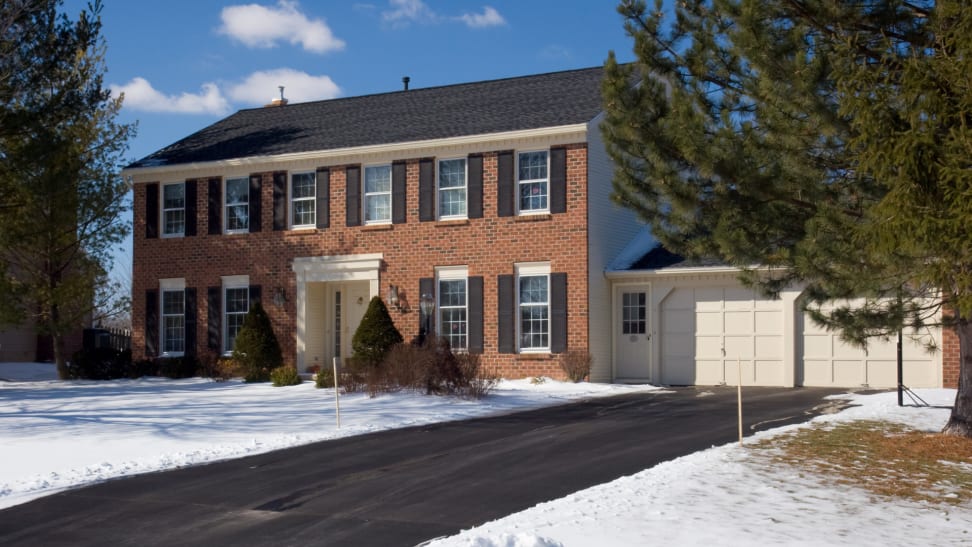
(728, 496)
(57, 435)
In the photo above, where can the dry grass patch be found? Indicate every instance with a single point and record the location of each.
(887, 459)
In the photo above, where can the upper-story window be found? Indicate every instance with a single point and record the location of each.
(237, 205)
(173, 209)
(452, 188)
(377, 194)
(533, 182)
(303, 198)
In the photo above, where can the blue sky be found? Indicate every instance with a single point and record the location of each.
(186, 64)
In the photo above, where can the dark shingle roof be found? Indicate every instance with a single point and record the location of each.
(659, 258)
(529, 102)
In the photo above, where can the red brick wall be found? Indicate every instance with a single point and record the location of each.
(951, 357)
(489, 246)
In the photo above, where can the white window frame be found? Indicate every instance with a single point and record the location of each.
(439, 190)
(175, 285)
(452, 273)
(166, 210)
(294, 200)
(532, 269)
(230, 283)
(365, 195)
(227, 205)
(521, 182)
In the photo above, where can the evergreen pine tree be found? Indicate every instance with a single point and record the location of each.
(256, 347)
(376, 334)
(826, 141)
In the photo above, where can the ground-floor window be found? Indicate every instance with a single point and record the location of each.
(236, 305)
(533, 306)
(173, 321)
(452, 307)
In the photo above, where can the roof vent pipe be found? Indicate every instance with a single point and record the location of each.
(405, 80)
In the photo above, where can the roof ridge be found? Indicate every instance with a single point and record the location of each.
(426, 89)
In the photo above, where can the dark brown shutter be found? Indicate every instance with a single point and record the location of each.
(323, 198)
(474, 306)
(558, 312)
(474, 186)
(151, 323)
(191, 208)
(353, 196)
(152, 210)
(190, 321)
(215, 202)
(214, 315)
(426, 286)
(506, 335)
(505, 185)
(399, 190)
(279, 201)
(558, 180)
(256, 295)
(256, 205)
(426, 189)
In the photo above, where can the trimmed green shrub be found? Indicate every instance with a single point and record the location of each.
(376, 334)
(285, 376)
(324, 378)
(256, 348)
(101, 364)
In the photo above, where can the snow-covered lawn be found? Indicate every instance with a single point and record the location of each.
(57, 435)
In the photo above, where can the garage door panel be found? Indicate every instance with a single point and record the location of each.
(918, 373)
(708, 299)
(769, 321)
(817, 346)
(844, 350)
(882, 372)
(678, 371)
(738, 298)
(678, 322)
(739, 346)
(680, 299)
(709, 372)
(681, 345)
(708, 347)
(709, 323)
(768, 373)
(739, 322)
(769, 347)
(882, 349)
(818, 373)
(848, 373)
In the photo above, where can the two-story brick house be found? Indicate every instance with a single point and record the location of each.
(490, 199)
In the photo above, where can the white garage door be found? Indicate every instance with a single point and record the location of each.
(705, 330)
(827, 361)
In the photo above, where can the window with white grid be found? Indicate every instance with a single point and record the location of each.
(452, 188)
(533, 304)
(452, 299)
(533, 181)
(173, 209)
(303, 200)
(377, 194)
(238, 205)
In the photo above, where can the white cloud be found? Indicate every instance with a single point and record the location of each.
(404, 12)
(488, 18)
(140, 95)
(260, 87)
(264, 26)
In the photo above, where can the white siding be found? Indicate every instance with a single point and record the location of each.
(609, 228)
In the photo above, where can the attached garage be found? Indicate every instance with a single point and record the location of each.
(697, 325)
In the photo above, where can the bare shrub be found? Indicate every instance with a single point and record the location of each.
(576, 364)
(479, 381)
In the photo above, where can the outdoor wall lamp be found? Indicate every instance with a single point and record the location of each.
(426, 306)
(395, 299)
(279, 296)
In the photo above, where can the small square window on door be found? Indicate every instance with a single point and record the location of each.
(633, 313)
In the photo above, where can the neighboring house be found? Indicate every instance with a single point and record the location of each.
(492, 201)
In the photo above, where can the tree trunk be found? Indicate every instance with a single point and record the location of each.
(59, 360)
(960, 422)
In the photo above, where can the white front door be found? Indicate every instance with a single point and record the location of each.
(347, 303)
(633, 342)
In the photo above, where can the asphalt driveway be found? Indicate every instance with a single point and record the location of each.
(405, 486)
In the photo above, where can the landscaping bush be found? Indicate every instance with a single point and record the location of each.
(100, 364)
(479, 381)
(376, 334)
(324, 378)
(144, 367)
(285, 376)
(256, 348)
(177, 367)
(576, 364)
(433, 368)
(352, 375)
